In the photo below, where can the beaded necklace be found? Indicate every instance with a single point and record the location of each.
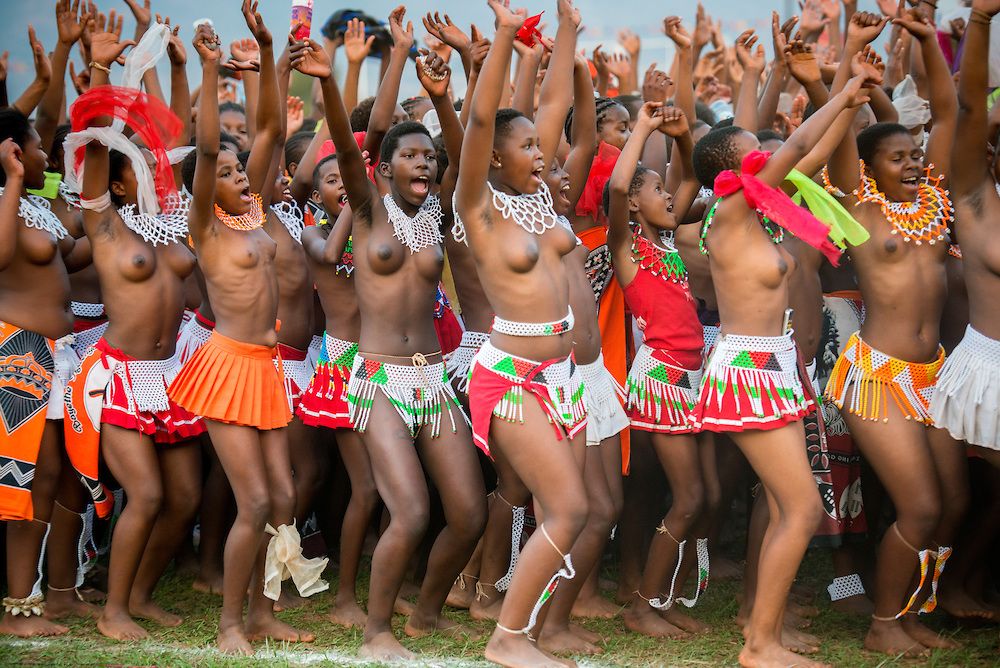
(533, 213)
(71, 198)
(166, 227)
(251, 220)
(421, 231)
(666, 263)
(765, 222)
(346, 263)
(290, 216)
(37, 214)
(926, 219)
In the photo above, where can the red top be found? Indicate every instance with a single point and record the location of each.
(667, 315)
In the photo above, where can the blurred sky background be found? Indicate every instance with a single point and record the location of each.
(601, 18)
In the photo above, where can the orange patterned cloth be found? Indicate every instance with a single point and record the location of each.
(877, 377)
(234, 382)
(27, 362)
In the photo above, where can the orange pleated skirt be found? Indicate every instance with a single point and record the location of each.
(234, 382)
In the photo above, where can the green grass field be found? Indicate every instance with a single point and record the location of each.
(192, 644)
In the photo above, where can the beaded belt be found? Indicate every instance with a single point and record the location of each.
(512, 328)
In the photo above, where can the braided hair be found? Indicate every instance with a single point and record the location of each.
(602, 104)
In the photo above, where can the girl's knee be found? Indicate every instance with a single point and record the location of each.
(256, 510)
(146, 499)
(410, 522)
(689, 502)
(470, 522)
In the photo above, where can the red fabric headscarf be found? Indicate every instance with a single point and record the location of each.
(775, 204)
(147, 116)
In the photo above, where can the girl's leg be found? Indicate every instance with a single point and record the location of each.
(180, 467)
(778, 458)
(451, 462)
(240, 454)
(509, 494)
(760, 518)
(63, 547)
(731, 471)
(590, 603)
(364, 499)
(215, 519)
(901, 458)
(548, 468)
(261, 622)
(556, 635)
(399, 479)
(24, 539)
(131, 458)
(310, 464)
(679, 459)
(952, 469)
(639, 514)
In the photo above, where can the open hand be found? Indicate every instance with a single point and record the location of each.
(356, 46)
(294, 115)
(447, 32)
(43, 68)
(801, 62)
(654, 85)
(255, 22)
(402, 38)
(106, 44)
(748, 57)
(143, 15)
(309, 58)
(505, 16)
(70, 21)
(868, 63)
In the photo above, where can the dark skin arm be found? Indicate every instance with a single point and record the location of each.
(452, 35)
(388, 90)
(206, 42)
(335, 244)
(944, 104)
(180, 94)
(767, 107)
(10, 200)
(480, 47)
(302, 186)
(477, 149)
(583, 143)
(310, 59)
(619, 207)
(261, 165)
(556, 95)
(803, 66)
(33, 94)
(356, 48)
(753, 62)
(968, 175)
(69, 22)
(529, 59)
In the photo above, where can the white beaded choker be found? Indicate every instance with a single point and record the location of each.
(291, 217)
(36, 213)
(421, 231)
(533, 213)
(167, 227)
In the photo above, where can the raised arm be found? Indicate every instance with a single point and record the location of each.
(863, 29)
(70, 20)
(356, 48)
(805, 138)
(302, 180)
(180, 93)
(767, 106)
(261, 165)
(477, 149)
(752, 60)
(944, 104)
(528, 61)
(10, 200)
(477, 52)
(619, 210)
(684, 78)
(676, 126)
(206, 43)
(33, 94)
(309, 58)
(557, 90)
(967, 173)
(583, 142)
(453, 36)
(388, 91)
(801, 62)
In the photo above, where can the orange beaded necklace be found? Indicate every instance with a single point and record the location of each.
(250, 220)
(926, 219)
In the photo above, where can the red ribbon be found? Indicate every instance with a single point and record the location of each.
(150, 118)
(775, 204)
(528, 33)
(590, 203)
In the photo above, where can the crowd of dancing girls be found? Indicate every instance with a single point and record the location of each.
(579, 311)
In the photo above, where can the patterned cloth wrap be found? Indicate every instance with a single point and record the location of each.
(751, 382)
(876, 377)
(324, 403)
(136, 397)
(89, 325)
(966, 400)
(498, 382)
(459, 361)
(421, 394)
(661, 395)
(297, 372)
(603, 397)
